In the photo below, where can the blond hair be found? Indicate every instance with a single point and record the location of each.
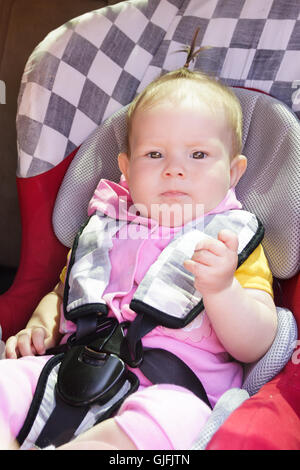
(176, 86)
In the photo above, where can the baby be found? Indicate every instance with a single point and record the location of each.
(184, 152)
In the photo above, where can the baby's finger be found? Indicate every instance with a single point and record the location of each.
(24, 345)
(192, 266)
(210, 244)
(10, 348)
(229, 238)
(38, 340)
(204, 257)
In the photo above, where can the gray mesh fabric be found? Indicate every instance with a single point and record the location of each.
(271, 185)
(228, 402)
(271, 138)
(257, 374)
(96, 159)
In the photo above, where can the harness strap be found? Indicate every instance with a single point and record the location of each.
(61, 424)
(86, 325)
(65, 419)
(159, 365)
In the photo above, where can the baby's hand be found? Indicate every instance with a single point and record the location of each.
(28, 342)
(214, 262)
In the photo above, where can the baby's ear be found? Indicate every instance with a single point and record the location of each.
(123, 162)
(238, 167)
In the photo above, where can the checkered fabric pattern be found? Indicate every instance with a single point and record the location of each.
(93, 65)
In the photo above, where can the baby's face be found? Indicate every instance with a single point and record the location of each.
(179, 165)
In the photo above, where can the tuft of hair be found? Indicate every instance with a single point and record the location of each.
(189, 87)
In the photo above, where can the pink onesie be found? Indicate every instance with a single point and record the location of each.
(156, 416)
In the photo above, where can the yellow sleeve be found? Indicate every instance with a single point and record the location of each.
(255, 273)
(63, 274)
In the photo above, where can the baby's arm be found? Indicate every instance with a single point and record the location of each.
(41, 331)
(244, 320)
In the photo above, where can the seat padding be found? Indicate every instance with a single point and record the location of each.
(270, 187)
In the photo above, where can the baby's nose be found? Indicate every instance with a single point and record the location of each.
(179, 173)
(174, 170)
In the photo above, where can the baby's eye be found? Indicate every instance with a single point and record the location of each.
(198, 155)
(154, 155)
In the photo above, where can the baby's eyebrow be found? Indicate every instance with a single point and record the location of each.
(203, 144)
(148, 147)
(211, 142)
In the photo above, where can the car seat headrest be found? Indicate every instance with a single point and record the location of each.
(270, 187)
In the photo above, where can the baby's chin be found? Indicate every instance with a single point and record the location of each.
(175, 215)
(170, 215)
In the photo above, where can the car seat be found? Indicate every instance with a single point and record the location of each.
(110, 54)
(94, 161)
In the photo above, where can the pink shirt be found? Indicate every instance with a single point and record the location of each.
(196, 344)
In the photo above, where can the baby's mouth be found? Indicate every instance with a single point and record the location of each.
(173, 193)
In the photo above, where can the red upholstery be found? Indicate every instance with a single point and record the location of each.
(42, 255)
(270, 420)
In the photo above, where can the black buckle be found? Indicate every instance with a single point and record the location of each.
(86, 376)
(105, 327)
(97, 361)
(110, 337)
